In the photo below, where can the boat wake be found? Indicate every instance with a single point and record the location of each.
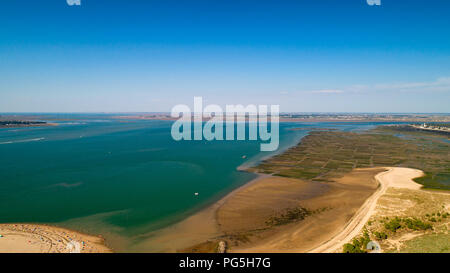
(23, 140)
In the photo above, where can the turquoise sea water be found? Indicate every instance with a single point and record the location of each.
(124, 177)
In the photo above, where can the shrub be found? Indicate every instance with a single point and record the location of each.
(416, 224)
(350, 248)
(380, 235)
(289, 216)
(358, 245)
(393, 224)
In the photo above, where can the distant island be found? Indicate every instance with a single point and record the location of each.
(23, 123)
(320, 117)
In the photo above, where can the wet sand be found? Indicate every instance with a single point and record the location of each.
(197, 228)
(240, 218)
(394, 177)
(341, 199)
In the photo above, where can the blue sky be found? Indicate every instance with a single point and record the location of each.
(147, 56)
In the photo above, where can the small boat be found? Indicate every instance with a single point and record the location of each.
(196, 194)
(244, 157)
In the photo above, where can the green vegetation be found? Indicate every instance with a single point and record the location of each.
(289, 216)
(435, 181)
(292, 215)
(358, 245)
(429, 243)
(416, 224)
(327, 155)
(412, 223)
(380, 235)
(205, 247)
(403, 215)
(437, 216)
(393, 224)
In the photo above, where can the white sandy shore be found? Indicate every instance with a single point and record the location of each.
(36, 238)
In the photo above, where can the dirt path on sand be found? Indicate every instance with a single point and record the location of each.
(394, 177)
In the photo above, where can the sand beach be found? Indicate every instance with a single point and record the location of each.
(38, 238)
(341, 210)
(240, 218)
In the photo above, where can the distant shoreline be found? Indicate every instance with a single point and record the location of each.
(315, 117)
(296, 119)
(22, 123)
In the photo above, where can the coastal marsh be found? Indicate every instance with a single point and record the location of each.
(327, 155)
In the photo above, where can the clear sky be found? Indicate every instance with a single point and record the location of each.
(147, 56)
